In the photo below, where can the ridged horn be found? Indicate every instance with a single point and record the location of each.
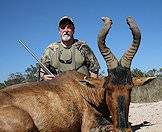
(128, 56)
(110, 59)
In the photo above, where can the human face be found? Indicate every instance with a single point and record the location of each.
(66, 31)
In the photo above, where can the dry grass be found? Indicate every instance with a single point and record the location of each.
(151, 92)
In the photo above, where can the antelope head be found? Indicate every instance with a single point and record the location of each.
(119, 82)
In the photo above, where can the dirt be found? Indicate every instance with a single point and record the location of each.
(146, 117)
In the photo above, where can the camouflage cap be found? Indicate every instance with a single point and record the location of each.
(66, 19)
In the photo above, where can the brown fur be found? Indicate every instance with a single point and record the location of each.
(56, 105)
(64, 104)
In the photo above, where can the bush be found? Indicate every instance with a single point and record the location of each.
(151, 92)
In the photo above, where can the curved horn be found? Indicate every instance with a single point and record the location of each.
(110, 59)
(128, 56)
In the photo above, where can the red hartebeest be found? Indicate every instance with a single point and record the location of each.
(71, 102)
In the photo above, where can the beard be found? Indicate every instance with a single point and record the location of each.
(66, 37)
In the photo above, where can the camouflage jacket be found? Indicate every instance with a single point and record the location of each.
(79, 57)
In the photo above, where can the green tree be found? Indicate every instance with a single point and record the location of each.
(160, 69)
(2, 85)
(15, 78)
(152, 72)
(160, 72)
(31, 74)
(137, 73)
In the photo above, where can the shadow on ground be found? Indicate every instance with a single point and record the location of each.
(139, 126)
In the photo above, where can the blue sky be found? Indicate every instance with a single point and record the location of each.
(35, 21)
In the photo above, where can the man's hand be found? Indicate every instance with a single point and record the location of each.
(48, 77)
(94, 75)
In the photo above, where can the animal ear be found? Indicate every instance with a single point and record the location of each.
(87, 83)
(139, 81)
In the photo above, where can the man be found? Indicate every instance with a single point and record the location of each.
(69, 54)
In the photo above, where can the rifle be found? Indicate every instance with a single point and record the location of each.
(35, 57)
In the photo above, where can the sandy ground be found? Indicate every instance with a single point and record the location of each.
(146, 117)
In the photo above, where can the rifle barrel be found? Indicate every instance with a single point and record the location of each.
(35, 57)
